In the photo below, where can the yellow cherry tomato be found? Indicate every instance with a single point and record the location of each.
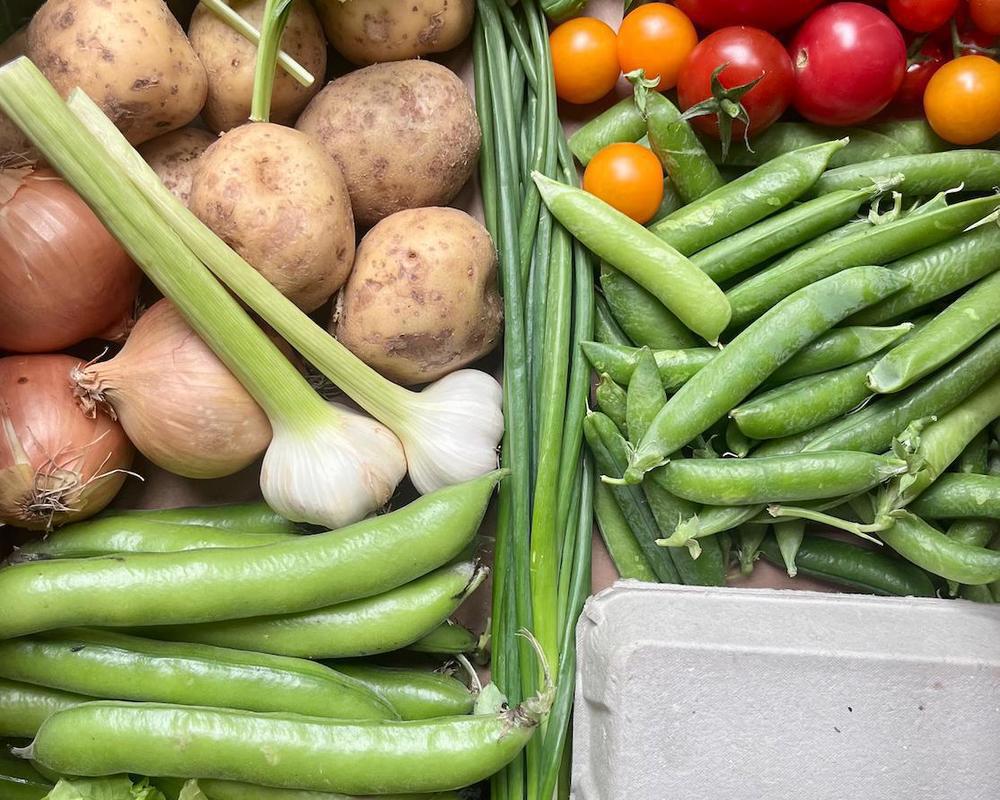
(656, 38)
(962, 100)
(627, 176)
(584, 59)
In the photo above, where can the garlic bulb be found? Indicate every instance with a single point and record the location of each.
(452, 430)
(335, 474)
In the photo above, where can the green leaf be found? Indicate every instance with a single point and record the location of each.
(191, 791)
(117, 787)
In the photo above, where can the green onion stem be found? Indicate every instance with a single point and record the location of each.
(276, 13)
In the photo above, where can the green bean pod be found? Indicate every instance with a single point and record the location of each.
(118, 667)
(414, 693)
(253, 517)
(879, 245)
(960, 325)
(606, 327)
(746, 200)
(108, 535)
(618, 538)
(643, 318)
(285, 751)
(924, 174)
(955, 496)
(359, 560)
(611, 400)
(775, 235)
(854, 566)
(234, 790)
(24, 707)
(676, 366)
(623, 122)
(937, 272)
(754, 354)
(363, 627)
(656, 266)
(929, 549)
(684, 159)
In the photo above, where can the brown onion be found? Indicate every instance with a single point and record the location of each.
(63, 277)
(178, 403)
(57, 464)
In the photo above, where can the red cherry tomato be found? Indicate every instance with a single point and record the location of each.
(584, 59)
(749, 53)
(627, 176)
(922, 16)
(850, 60)
(656, 38)
(986, 15)
(771, 15)
(909, 100)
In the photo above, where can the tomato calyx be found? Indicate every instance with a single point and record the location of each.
(961, 47)
(725, 104)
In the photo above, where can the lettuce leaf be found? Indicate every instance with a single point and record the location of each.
(117, 787)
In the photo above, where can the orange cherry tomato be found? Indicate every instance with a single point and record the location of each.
(962, 100)
(584, 59)
(627, 176)
(657, 39)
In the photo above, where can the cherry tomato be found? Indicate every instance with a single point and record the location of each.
(749, 53)
(771, 15)
(627, 176)
(922, 16)
(850, 60)
(986, 15)
(909, 100)
(656, 38)
(584, 59)
(962, 101)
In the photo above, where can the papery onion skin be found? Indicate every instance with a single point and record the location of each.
(56, 464)
(63, 277)
(178, 403)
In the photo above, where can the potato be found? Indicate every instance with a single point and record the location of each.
(372, 31)
(230, 61)
(405, 135)
(15, 147)
(174, 157)
(130, 56)
(275, 196)
(422, 300)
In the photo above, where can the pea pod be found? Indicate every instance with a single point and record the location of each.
(736, 441)
(623, 122)
(929, 549)
(925, 174)
(104, 664)
(879, 245)
(414, 693)
(362, 627)
(683, 157)
(752, 356)
(954, 496)
(643, 318)
(15, 788)
(916, 135)
(676, 366)
(645, 396)
(606, 327)
(611, 400)
(24, 707)
(254, 517)
(307, 572)
(857, 567)
(789, 536)
(670, 203)
(448, 638)
(838, 348)
(618, 538)
(977, 594)
(746, 200)
(234, 790)
(656, 266)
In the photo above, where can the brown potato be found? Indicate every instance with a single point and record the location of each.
(275, 196)
(174, 157)
(422, 300)
(405, 135)
(372, 31)
(230, 61)
(15, 148)
(130, 56)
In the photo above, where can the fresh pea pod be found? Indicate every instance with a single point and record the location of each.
(618, 538)
(789, 536)
(924, 174)
(13, 787)
(676, 366)
(234, 790)
(838, 348)
(362, 627)
(753, 355)
(915, 135)
(977, 594)
(736, 441)
(961, 324)
(929, 549)
(359, 560)
(749, 538)
(623, 122)
(772, 236)
(669, 204)
(645, 396)
(414, 693)
(624, 244)
(447, 639)
(937, 272)
(879, 245)
(24, 707)
(746, 200)
(606, 327)
(643, 318)
(611, 400)
(674, 142)
(110, 665)
(954, 496)
(854, 566)
(255, 517)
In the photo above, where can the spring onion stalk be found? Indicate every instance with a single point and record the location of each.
(449, 430)
(325, 465)
(276, 14)
(252, 35)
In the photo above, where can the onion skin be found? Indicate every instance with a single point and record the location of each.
(178, 403)
(56, 464)
(63, 277)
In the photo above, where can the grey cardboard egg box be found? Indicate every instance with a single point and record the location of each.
(687, 693)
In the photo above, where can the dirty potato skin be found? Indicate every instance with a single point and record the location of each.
(405, 135)
(230, 61)
(174, 157)
(130, 56)
(373, 31)
(15, 148)
(275, 196)
(422, 300)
